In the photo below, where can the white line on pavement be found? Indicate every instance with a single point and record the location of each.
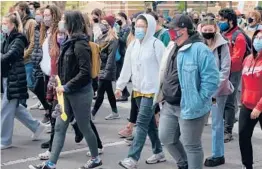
(24, 160)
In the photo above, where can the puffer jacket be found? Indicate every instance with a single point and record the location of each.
(108, 62)
(37, 55)
(12, 53)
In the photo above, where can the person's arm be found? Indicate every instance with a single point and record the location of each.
(15, 51)
(239, 50)
(111, 61)
(209, 75)
(82, 52)
(122, 37)
(259, 105)
(126, 71)
(31, 39)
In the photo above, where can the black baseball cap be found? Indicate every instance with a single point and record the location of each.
(181, 21)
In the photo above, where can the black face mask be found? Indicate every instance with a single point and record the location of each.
(250, 20)
(104, 28)
(119, 22)
(209, 35)
(133, 28)
(95, 20)
(196, 21)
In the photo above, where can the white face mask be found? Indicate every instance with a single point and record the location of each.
(5, 29)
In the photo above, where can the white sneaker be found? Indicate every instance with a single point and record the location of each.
(41, 107)
(45, 156)
(34, 97)
(3, 147)
(128, 163)
(93, 117)
(41, 128)
(36, 106)
(112, 116)
(48, 128)
(156, 158)
(100, 151)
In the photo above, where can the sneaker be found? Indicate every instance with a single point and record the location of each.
(40, 130)
(100, 151)
(93, 117)
(41, 107)
(125, 133)
(128, 163)
(92, 163)
(41, 166)
(34, 97)
(129, 141)
(3, 147)
(214, 161)
(45, 145)
(46, 120)
(183, 167)
(112, 116)
(45, 156)
(156, 158)
(228, 137)
(36, 106)
(78, 134)
(48, 128)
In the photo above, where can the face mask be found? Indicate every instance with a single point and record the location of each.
(250, 20)
(257, 44)
(224, 26)
(196, 21)
(48, 21)
(95, 20)
(139, 33)
(61, 26)
(5, 29)
(178, 35)
(119, 22)
(38, 18)
(60, 39)
(104, 28)
(208, 35)
(32, 12)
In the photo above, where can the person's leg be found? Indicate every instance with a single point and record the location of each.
(95, 84)
(81, 105)
(191, 133)
(169, 133)
(40, 92)
(134, 110)
(99, 142)
(125, 93)
(8, 109)
(111, 95)
(143, 120)
(60, 132)
(229, 112)
(246, 128)
(29, 77)
(100, 96)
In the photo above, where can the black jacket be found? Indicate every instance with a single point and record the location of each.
(13, 67)
(37, 55)
(74, 63)
(122, 37)
(108, 61)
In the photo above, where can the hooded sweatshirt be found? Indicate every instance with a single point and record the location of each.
(142, 61)
(171, 87)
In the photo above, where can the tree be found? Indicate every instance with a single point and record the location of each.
(60, 4)
(181, 6)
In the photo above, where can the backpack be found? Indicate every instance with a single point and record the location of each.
(248, 41)
(161, 33)
(96, 62)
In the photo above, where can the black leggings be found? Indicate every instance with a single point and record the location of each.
(105, 86)
(95, 84)
(246, 128)
(134, 110)
(40, 92)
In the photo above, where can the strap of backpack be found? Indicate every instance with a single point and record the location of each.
(219, 55)
(234, 36)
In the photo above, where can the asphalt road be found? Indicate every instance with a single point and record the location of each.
(24, 151)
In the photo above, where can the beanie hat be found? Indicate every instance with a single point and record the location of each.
(122, 14)
(110, 20)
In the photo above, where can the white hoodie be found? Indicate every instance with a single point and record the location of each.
(142, 62)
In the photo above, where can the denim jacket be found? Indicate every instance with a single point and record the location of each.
(198, 77)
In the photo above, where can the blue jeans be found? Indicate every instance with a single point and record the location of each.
(9, 111)
(230, 108)
(218, 126)
(146, 124)
(188, 149)
(29, 76)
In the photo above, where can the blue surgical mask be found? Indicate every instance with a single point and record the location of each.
(5, 29)
(224, 26)
(257, 44)
(32, 12)
(139, 33)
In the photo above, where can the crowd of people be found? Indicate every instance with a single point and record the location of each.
(182, 70)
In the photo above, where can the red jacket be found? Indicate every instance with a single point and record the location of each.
(252, 82)
(237, 51)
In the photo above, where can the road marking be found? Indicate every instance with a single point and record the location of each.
(29, 159)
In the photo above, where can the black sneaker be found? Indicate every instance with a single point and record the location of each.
(78, 134)
(45, 145)
(183, 167)
(228, 137)
(214, 161)
(91, 164)
(40, 166)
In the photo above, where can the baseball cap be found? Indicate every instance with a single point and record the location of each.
(181, 21)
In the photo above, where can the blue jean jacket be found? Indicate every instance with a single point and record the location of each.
(199, 79)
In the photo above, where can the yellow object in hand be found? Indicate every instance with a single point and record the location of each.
(60, 98)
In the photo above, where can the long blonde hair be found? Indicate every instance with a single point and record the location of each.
(16, 20)
(111, 35)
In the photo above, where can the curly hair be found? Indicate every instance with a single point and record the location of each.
(255, 14)
(229, 14)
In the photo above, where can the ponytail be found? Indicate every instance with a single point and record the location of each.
(16, 20)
